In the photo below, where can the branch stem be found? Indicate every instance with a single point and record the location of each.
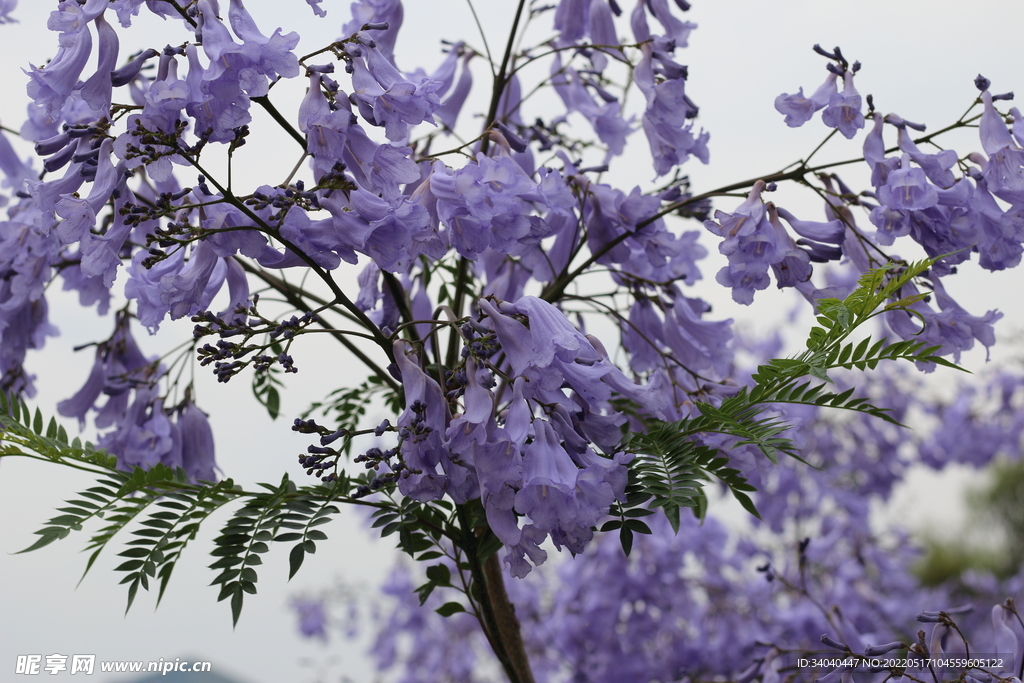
(499, 620)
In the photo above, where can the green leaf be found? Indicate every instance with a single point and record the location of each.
(626, 539)
(295, 558)
(273, 403)
(47, 536)
(236, 605)
(450, 608)
(425, 590)
(432, 555)
(819, 373)
(672, 515)
(132, 590)
(129, 566)
(439, 574)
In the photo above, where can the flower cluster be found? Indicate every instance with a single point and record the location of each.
(945, 205)
(485, 255)
(717, 600)
(369, 199)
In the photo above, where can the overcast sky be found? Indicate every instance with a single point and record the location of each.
(919, 59)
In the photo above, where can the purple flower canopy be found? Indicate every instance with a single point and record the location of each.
(381, 199)
(493, 253)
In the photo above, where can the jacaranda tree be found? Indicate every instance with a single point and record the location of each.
(532, 331)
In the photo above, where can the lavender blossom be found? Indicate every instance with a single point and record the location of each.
(49, 87)
(751, 244)
(843, 110)
(196, 443)
(377, 12)
(1004, 171)
(385, 97)
(312, 616)
(6, 7)
(671, 139)
(798, 109)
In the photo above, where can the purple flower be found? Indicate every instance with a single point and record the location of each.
(387, 98)
(999, 233)
(795, 265)
(891, 223)
(96, 91)
(27, 255)
(1009, 636)
(671, 140)
(164, 100)
(448, 112)
(388, 12)
(85, 398)
(606, 119)
(652, 252)
(130, 71)
(750, 243)
(565, 487)
(6, 7)
(422, 426)
(174, 286)
(312, 614)
(798, 109)
(1004, 171)
(16, 170)
(874, 153)
(257, 55)
(275, 59)
(483, 205)
(843, 111)
(80, 214)
(832, 232)
(642, 336)
(316, 239)
(219, 93)
(936, 166)
(144, 436)
(697, 344)
(101, 254)
(676, 30)
(217, 107)
(907, 188)
(601, 26)
(51, 85)
(392, 234)
(119, 366)
(315, 6)
(186, 292)
(126, 9)
(73, 17)
(326, 129)
(549, 478)
(24, 325)
(381, 169)
(951, 327)
(196, 443)
(571, 20)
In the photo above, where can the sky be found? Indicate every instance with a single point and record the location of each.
(919, 60)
